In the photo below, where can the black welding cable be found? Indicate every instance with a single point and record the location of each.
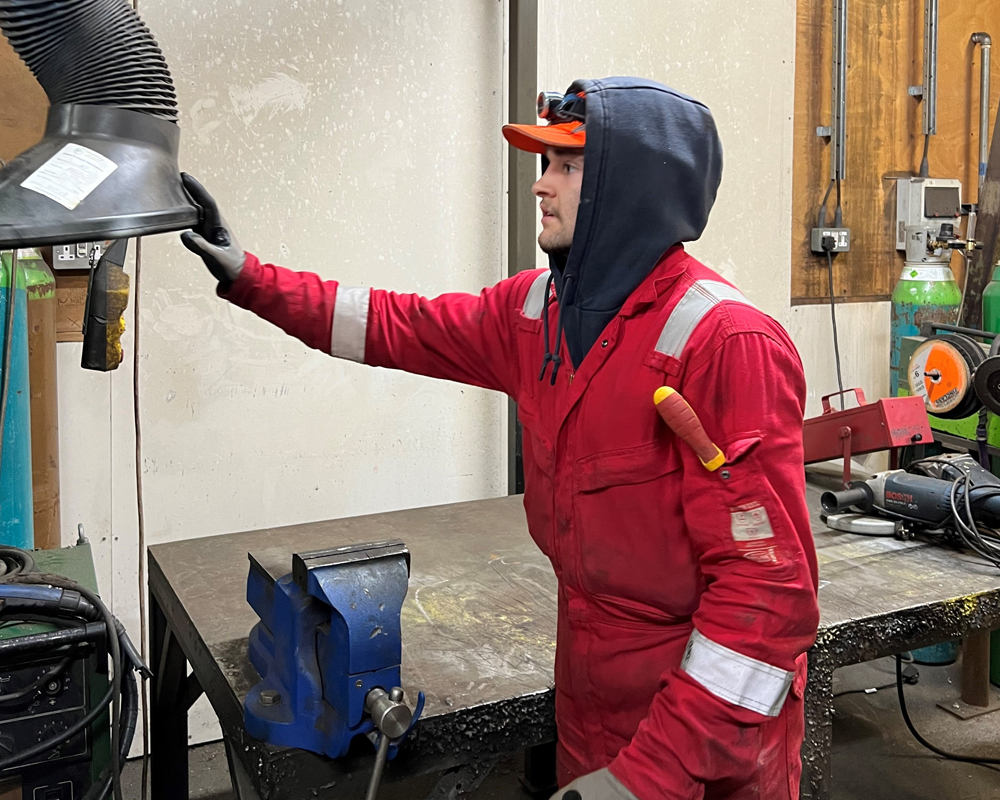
(924, 165)
(965, 524)
(15, 561)
(130, 700)
(821, 216)
(983, 761)
(836, 339)
(8, 345)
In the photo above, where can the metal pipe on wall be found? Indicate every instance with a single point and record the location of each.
(838, 137)
(985, 43)
(930, 66)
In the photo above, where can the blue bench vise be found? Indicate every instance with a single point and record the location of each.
(328, 648)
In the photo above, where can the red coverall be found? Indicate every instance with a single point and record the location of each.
(687, 598)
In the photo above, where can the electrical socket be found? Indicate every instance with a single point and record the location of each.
(841, 240)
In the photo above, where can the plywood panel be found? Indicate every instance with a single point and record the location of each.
(884, 124)
(23, 105)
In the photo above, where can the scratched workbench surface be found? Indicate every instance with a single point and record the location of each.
(479, 619)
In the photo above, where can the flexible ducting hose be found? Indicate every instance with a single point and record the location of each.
(91, 52)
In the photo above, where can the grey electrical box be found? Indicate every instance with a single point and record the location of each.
(841, 240)
(926, 202)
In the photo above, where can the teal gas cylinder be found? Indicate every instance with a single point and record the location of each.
(16, 515)
(923, 294)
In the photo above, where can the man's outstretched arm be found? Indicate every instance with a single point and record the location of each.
(460, 337)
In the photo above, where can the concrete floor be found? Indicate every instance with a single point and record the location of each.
(874, 758)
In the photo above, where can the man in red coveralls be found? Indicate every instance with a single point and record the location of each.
(687, 597)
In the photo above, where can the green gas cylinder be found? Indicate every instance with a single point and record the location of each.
(991, 303)
(923, 294)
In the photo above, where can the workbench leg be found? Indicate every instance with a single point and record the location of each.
(817, 748)
(540, 770)
(243, 787)
(976, 669)
(168, 711)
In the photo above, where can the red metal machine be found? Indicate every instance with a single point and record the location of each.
(866, 428)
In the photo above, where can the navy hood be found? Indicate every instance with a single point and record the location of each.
(652, 167)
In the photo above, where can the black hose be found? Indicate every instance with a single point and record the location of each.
(921, 739)
(19, 646)
(833, 314)
(91, 52)
(14, 560)
(130, 713)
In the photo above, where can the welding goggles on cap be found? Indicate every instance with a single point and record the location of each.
(566, 117)
(556, 108)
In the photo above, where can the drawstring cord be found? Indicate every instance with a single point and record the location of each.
(545, 326)
(553, 357)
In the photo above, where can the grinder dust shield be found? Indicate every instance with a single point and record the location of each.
(107, 166)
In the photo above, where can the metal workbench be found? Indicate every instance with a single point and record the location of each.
(479, 639)
(478, 628)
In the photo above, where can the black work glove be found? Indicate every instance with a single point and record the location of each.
(600, 785)
(211, 238)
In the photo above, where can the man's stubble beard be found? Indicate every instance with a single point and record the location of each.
(558, 248)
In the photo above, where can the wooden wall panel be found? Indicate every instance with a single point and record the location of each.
(23, 105)
(884, 130)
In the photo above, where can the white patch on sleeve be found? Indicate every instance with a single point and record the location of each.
(70, 175)
(750, 523)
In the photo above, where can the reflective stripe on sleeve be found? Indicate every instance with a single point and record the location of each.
(700, 298)
(350, 323)
(741, 680)
(535, 301)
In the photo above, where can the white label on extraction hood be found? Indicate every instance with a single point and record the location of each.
(70, 175)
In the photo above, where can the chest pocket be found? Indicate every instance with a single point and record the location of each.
(628, 514)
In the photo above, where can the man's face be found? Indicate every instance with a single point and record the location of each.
(559, 192)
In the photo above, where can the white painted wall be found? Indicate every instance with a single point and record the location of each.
(360, 139)
(737, 58)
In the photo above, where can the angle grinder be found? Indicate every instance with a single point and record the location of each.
(928, 499)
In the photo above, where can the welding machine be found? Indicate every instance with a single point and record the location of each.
(56, 731)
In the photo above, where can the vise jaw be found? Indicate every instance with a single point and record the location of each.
(329, 634)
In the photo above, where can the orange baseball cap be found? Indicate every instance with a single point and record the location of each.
(536, 138)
